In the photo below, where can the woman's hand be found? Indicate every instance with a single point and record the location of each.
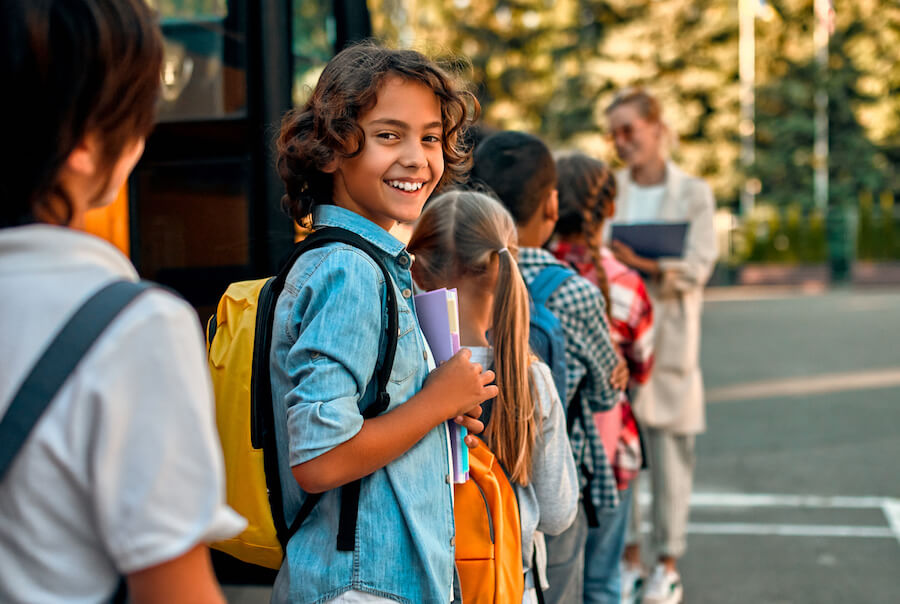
(628, 257)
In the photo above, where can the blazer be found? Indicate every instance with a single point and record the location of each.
(673, 398)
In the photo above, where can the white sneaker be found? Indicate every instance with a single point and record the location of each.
(663, 587)
(632, 581)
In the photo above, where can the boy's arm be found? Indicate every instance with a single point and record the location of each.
(450, 391)
(332, 363)
(187, 579)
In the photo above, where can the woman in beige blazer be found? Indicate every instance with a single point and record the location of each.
(670, 406)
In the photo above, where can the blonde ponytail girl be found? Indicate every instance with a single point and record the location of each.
(459, 235)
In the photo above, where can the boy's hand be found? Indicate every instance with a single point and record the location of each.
(619, 377)
(471, 422)
(462, 386)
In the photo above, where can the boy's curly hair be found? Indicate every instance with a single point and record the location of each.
(327, 126)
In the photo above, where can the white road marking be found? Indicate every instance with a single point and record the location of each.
(806, 386)
(758, 500)
(891, 510)
(789, 530)
(888, 505)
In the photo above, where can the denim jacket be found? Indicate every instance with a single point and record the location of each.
(327, 338)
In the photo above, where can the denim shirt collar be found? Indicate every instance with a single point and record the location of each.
(328, 215)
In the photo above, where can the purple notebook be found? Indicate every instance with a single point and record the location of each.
(438, 313)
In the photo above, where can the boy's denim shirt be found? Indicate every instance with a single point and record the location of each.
(327, 337)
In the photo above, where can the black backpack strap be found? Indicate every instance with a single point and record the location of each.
(573, 409)
(575, 413)
(57, 363)
(538, 590)
(263, 391)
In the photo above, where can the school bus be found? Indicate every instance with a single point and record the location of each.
(202, 207)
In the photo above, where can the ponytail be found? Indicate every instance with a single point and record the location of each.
(592, 235)
(457, 237)
(586, 188)
(513, 427)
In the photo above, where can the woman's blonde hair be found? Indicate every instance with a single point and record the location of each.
(457, 236)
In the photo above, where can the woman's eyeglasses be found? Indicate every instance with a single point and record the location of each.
(625, 132)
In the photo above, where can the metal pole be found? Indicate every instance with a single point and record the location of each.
(747, 71)
(820, 150)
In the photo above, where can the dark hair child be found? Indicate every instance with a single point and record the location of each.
(520, 169)
(378, 136)
(121, 476)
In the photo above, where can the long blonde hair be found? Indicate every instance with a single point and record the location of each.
(456, 238)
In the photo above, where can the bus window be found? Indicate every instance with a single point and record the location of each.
(204, 64)
(195, 223)
(312, 44)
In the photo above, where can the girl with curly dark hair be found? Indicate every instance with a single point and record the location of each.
(380, 133)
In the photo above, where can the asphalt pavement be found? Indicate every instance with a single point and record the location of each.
(797, 487)
(797, 490)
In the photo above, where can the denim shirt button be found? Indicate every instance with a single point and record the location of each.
(452, 541)
(448, 479)
(407, 293)
(403, 260)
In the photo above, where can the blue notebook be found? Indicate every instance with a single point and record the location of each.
(652, 239)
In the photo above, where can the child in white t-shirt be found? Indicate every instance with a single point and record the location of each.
(122, 475)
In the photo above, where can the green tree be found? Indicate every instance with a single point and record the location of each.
(551, 68)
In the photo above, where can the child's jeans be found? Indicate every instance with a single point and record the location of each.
(603, 553)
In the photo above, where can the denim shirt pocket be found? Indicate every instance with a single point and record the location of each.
(407, 358)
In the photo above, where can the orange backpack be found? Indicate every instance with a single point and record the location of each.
(488, 533)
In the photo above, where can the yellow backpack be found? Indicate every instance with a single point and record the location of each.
(239, 337)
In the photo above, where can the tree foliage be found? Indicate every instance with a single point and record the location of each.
(550, 67)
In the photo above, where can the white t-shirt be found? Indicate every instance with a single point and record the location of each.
(124, 470)
(645, 203)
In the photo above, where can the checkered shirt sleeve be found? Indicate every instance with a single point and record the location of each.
(590, 354)
(591, 357)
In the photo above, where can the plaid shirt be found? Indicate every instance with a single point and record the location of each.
(631, 320)
(631, 315)
(590, 359)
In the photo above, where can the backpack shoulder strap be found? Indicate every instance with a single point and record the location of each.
(57, 362)
(336, 234)
(547, 281)
(350, 492)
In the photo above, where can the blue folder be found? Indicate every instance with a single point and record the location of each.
(653, 239)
